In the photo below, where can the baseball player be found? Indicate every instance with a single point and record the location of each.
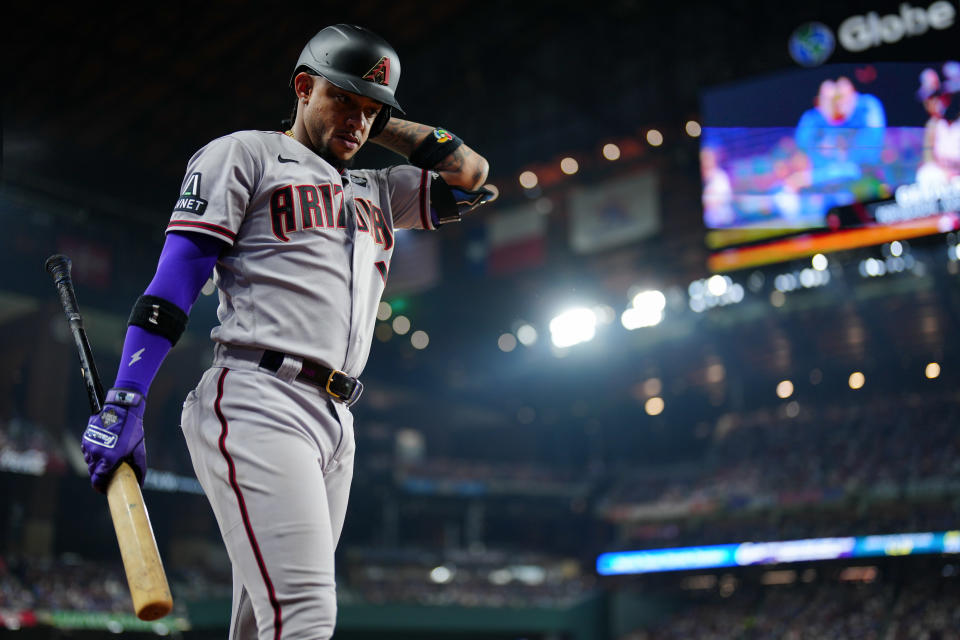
(300, 245)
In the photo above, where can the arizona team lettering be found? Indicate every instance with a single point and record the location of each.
(321, 206)
(381, 230)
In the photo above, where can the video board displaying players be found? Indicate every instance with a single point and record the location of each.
(830, 158)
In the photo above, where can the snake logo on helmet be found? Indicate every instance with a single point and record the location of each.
(356, 60)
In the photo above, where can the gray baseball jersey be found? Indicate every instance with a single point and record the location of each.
(318, 301)
(308, 259)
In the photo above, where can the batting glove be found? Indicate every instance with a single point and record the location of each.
(115, 435)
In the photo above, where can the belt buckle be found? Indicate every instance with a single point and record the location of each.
(347, 400)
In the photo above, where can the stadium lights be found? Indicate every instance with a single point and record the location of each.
(693, 128)
(784, 389)
(528, 180)
(646, 310)
(810, 278)
(819, 262)
(807, 278)
(654, 406)
(611, 151)
(569, 166)
(441, 575)
(573, 327)
(507, 342)
(654, 138)
(419, 339)
(874, 267)
(401, 324)
(871, 267)
(856, 380)
(526, 334)
(715, 291)
(384, 310)
(717, 285)
(932, 370)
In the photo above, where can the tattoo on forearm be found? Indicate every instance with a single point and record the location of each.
(402, 136)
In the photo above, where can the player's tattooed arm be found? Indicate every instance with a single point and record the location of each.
(463, 168)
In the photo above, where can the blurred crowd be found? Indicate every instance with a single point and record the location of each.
(27, 448)
(480, 578)
(470, 477)
(888, 448)
(67, 583)
(916, 610)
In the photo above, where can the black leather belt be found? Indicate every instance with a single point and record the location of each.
(340, 386)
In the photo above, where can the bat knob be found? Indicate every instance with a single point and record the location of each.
(58, 266)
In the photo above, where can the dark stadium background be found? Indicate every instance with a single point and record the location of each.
(487, 482)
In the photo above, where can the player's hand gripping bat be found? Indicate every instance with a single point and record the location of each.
(138, 548)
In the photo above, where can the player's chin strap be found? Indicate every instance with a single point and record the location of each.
(448, 204)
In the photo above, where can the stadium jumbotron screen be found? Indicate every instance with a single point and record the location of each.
(837, 157)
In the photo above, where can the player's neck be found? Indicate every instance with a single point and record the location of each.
(331, 159)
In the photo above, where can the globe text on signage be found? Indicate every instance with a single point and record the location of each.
(812, 43)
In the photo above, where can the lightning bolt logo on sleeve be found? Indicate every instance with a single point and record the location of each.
(136, 356)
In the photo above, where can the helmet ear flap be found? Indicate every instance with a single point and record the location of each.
(380, 122)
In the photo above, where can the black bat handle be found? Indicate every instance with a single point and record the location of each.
(58, 266)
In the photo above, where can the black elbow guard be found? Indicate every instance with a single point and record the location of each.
(450, 203)
(158, 316)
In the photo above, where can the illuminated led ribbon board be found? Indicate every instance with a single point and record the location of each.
(781, 552)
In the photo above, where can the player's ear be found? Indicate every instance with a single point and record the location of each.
(303, 84)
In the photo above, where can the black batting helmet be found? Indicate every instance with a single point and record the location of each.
(356, 60)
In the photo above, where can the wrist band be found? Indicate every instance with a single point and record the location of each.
(438, 144)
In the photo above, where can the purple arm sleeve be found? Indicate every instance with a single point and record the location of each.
(184, 266)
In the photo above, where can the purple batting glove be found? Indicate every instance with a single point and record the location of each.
(115, 435)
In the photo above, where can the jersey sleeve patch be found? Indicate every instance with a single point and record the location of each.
(219, 183)
(190, 200)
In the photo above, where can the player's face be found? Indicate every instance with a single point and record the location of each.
(338, 122)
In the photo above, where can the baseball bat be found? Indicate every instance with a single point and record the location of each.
(138, 547)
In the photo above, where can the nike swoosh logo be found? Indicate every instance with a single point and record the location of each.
(282, 159)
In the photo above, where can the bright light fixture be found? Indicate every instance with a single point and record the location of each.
(856, 380)
(573, 327)
(784, 389)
